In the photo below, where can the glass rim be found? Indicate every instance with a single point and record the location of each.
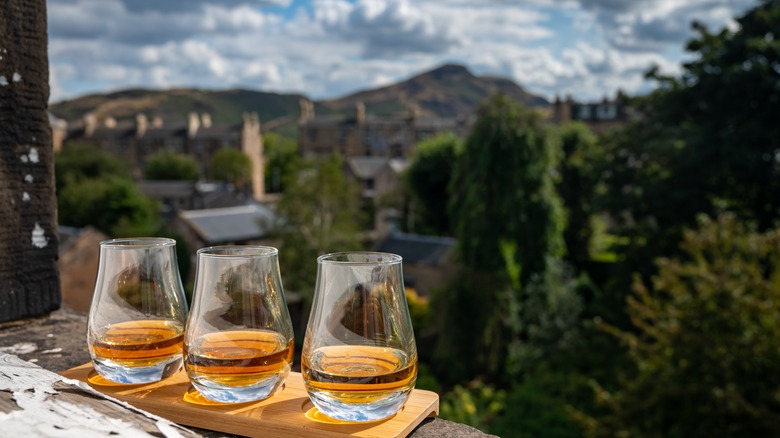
(137, 242)
(370, 258)
(237, 251)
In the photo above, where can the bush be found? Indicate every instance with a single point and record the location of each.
(705, 348)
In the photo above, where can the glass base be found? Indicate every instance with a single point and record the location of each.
(136, 375)
(238, 394)
(375, 410)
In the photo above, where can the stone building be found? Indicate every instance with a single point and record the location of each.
(377, 177)
(600, 116)
(135, 140)
(365, 135)
(375, 149)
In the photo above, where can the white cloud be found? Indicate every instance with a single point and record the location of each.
(328, 48)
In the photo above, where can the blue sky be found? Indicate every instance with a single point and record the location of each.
(329, 48)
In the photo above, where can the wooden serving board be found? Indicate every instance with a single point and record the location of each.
(287, 413)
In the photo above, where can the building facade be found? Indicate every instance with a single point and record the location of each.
(134, 141)
(364, 135)
(599, 116)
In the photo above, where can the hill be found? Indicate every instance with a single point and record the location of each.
(447, 91)
(173, 105)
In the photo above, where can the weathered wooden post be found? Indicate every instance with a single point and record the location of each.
(29, 283)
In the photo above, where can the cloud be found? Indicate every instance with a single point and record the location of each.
(328, 48)
(653, 25)
(384, 28)
(178, 6)
(112, 21)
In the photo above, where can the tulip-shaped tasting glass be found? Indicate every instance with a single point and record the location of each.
(138, 312)
(238, 344)
(359, 359)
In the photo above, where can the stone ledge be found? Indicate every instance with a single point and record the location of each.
(57, 342)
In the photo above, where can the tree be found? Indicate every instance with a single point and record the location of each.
(428, 177)
(503, 190)
(508, 222)
(77, 161)
(281, 158)
(319, 213)
(577, 188)
(29, 281)
(724, 104)
(231, 165)
(705, 345)
(112, 205)
(168, 165)
(707, 140)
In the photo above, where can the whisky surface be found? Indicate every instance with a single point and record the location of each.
(359, 374)
(238, 357)
(138, 343)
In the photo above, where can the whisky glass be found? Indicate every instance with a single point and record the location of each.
(238, 343)
(136, 320)
(359, 359)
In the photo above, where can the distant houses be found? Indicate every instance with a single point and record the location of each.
(364, 135)
(135, 140)
(599, 116)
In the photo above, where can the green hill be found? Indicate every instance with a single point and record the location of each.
(447, 91)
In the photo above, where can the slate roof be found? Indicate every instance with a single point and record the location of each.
(366, 167)
(232, 224)
(417, 248)
(168, 189)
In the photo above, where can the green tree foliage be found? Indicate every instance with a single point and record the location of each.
(84, 161)
(708, 139)
(725, 105)
(706, 341)
(281, 160)
(508, 222)
(476, 404)
(168, 165)
(537, 407)
(503, 190)
(112, 205)
(428, 177)
(231, 165)
(319, 213)
(94, 188)
(577, 188)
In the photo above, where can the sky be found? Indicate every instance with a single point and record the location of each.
(325, 49)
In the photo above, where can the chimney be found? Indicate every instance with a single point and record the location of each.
(193, 123)
(360, 113)
(90, 123)
(414, 111)
(251, 121)
(141, 124)
(306, 111)
(205, 120)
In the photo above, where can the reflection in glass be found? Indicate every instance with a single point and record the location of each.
(359, 360)
(136, 321)
(238, 345)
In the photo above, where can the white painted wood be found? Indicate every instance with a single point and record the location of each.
(38, 403)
